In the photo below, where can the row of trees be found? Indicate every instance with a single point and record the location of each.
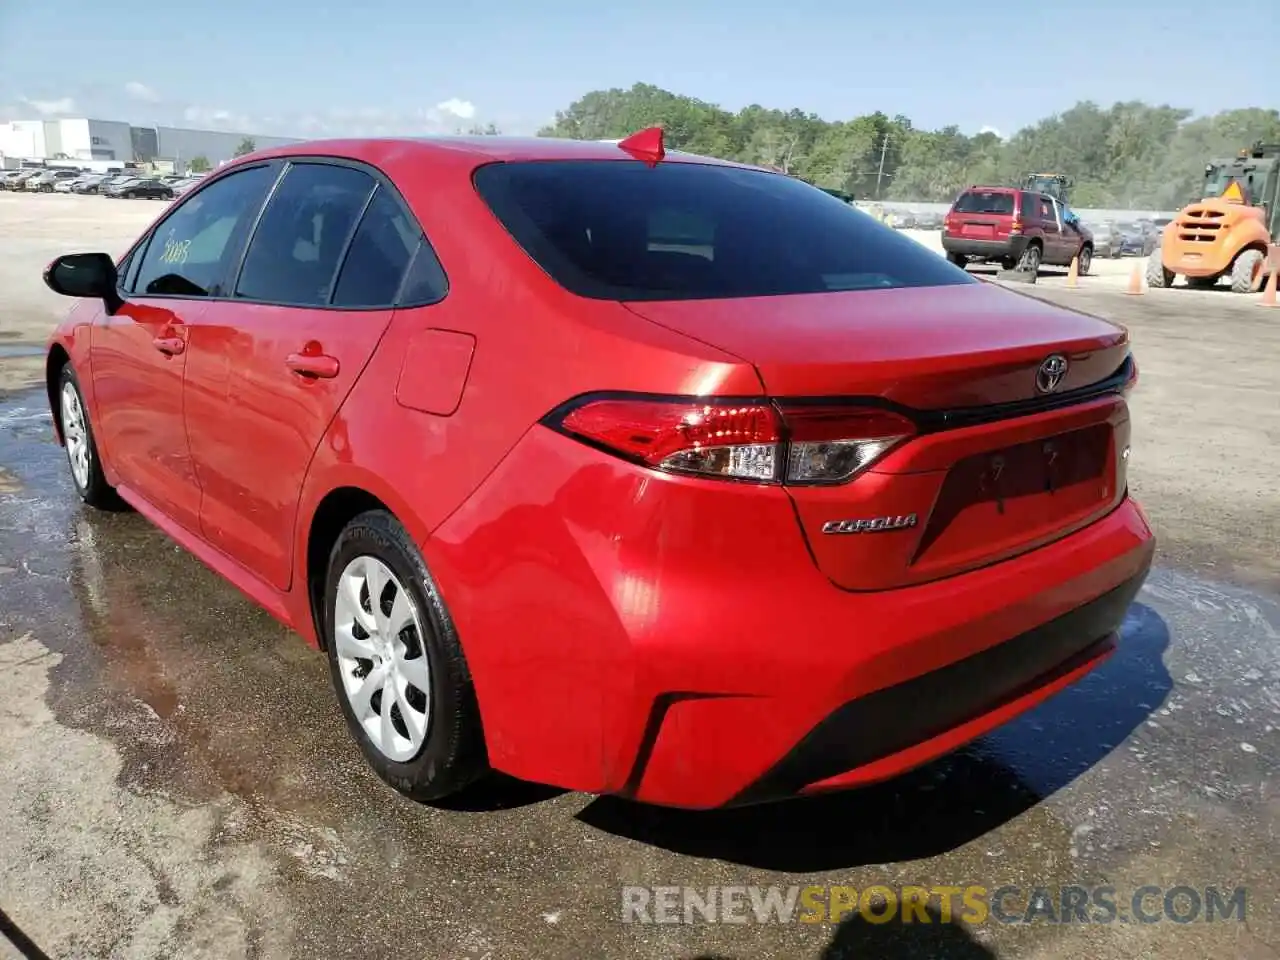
(1131, 155)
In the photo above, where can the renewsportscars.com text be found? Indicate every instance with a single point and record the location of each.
(970, 904)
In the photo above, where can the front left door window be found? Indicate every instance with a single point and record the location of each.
(139, 355)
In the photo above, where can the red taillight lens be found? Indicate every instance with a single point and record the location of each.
(742, 440)
(684, 436)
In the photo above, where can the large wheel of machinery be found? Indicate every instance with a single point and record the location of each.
(1244, 270)
(1157, 275)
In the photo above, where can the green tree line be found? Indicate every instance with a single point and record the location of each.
(1129, 156)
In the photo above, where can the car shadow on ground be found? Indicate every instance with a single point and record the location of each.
(939, 807)
(498, 792)
(857, 938)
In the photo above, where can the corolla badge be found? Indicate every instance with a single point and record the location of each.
(1053, 370)
(870, 524)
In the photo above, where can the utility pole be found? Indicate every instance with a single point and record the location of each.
(884, 148)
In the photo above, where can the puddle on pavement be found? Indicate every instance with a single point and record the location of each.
(12, 351)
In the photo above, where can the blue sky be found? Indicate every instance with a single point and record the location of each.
(302, 67)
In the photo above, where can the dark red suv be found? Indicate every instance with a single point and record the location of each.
(1017, 228)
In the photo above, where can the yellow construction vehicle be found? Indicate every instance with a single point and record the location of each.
(1229, 231)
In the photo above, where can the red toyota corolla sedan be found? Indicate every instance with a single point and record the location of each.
(626, 471)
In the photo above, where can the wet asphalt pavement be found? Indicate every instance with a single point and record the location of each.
(178, 783)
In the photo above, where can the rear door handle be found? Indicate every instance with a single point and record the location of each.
(312, 365)
(170, 346)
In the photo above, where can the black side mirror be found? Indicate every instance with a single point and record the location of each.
(89, 275)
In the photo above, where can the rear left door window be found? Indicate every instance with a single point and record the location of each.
(304, 233)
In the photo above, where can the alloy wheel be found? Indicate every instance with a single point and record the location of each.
(75, 435)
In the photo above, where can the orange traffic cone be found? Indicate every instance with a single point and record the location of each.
(1135, 281)
(1269, 292)
(1073, 274)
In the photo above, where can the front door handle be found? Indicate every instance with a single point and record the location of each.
(313, 365)
(170, 346)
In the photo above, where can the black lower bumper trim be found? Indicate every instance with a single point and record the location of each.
(890, 720)
(986, 249)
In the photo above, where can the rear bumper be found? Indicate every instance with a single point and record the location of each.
(671, 640)
(939, 710)
(985, 249)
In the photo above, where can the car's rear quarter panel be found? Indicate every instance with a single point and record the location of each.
(536, 346)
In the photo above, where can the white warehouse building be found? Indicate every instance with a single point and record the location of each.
(115, 141)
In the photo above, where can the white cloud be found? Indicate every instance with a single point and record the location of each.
(49, 108)
(991, 130)
(216, 118)
(140, 91)
(448, 116)
(463, 109)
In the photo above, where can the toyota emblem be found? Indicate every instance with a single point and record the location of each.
(1053, 370)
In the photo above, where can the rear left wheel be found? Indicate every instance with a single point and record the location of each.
(397, 664)
(1086, 260)
(1030, 262)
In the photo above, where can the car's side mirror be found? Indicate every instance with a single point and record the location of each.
(89, 275)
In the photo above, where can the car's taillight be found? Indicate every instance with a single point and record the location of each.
(1015, 226)
(833, 443)
(755, 440)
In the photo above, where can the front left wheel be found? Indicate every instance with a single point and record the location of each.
(81, 447)
(397, 664)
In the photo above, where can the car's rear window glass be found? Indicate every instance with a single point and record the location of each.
(620, 230)
(985, 201)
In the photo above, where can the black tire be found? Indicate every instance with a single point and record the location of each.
(1244, 270)
(452, 755)
(96, 492)
(1157, 275)
(1086, 260)
(958, 259)
(1009, 263)
(1030, 262)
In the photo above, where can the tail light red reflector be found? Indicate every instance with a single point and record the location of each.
(747, 440)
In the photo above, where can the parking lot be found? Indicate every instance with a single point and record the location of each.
(178, 783)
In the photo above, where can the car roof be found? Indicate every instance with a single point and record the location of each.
(475, 150)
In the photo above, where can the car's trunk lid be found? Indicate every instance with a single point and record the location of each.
(924, 347)
(998, 465)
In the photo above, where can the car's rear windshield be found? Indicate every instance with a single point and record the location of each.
(620, 230)
(985, 201)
